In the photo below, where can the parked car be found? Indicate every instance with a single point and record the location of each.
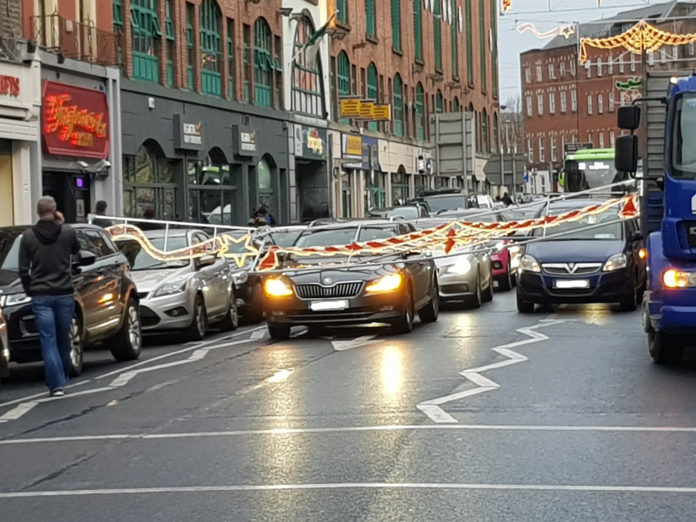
(463, 275)
(443, 200)
(185, 295)
(390, 290)
(106, 302)
(4, 350)
(591, 260)
(408, 211)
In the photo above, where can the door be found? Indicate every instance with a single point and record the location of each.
(6, 210)
(214, 281)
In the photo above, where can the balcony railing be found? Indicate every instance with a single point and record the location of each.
(76, 40)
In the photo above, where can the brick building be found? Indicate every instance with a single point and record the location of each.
(566, 102)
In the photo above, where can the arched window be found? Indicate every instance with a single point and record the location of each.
(418, 29)
(307, 87)
(396, 24)
(149, 182)
(485, 135)
(439, 102)
(437, 35)
(496, 132)
(146, 33)
(343, 78)
(372, 90)
(263, 64)
(420, 112)
(398, 106)
(455, 105)
(211, 48)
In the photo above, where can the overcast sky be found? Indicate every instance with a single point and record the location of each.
(545, 15)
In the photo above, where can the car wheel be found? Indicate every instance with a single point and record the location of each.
(488, 292)
(476, 300)
(404, 324)
(278, 331)
(199, 323)
(126, 344)
(77, 348)
(254, 312)
(505, 282)
(524, 307)
(665, 348)
(231, 319)
(430, 312)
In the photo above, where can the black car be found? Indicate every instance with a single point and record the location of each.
(106, 302)
(315, 291)
(595, 259)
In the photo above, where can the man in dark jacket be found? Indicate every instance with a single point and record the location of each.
(45, 270)
(100, 210)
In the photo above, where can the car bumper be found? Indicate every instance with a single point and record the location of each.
(603, 287)
(499, 265)
(456, 286)
(172, 312)
(673, 317)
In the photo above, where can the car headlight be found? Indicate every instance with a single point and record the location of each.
(529, 264)
(615, 262)
(672, 278)
(16, 299)
(460, 267)
(170, 289)
(387, 283)
(240, 277)
(277, 288)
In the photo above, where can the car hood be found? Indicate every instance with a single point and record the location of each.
(329, 276)
(578, 251)
(148, 280)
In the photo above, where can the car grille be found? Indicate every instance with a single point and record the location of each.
(317, 291)
(148, 317)
(571, 268)
(142, 295)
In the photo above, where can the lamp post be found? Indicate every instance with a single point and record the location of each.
(511, 150)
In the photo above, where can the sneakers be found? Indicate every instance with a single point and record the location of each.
(58, 392)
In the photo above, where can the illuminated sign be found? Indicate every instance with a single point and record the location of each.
(75, 121)
(9, 86)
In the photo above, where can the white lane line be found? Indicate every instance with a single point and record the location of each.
(16, 412)
(348, 485)
(358, 342)
(431, 408)
(351, 429)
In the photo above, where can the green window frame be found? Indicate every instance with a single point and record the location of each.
(307, 87)
(439, 102)
(396, 24)
(118, 16)
(370, 19)
(211, 48)
(485, 134)
(494, 50)
(146, 36)
(246, 58)
(437, 35)
(455, 41)
(231, 61)
(342, 11)
(418, 29)
(420, 112)
(263, 64)
(171, 43)
(482, 44)
(190, 49)
(469, 45)
(343, 78)
(456, 107)
(398, 105)
(372, 90)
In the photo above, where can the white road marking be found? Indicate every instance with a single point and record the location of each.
(258, 334)
(353, 343)
(350, 429)
(347, 485)
(16, 412)
(432, 408)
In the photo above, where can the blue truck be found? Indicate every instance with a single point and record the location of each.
(667, 188)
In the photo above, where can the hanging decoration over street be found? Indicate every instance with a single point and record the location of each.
(565, 30)
(641, 37)
(505, 5)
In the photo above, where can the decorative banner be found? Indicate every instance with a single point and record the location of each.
(640, 37)
(505, 5)
(448, 237)
(629, 89)
(565, 30)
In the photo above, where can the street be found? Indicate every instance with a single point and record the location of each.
(484, 415)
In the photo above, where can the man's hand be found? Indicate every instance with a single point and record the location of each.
(60, 219)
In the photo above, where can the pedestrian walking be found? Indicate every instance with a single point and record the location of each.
(100, 210)
(46, 273)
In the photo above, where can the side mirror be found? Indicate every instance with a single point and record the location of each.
(86, 258)
(626, 158)
(629, 117)
(206, 260)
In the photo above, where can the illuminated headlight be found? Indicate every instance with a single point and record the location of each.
(672, 278)
(460, 267)
(529, 264)
(240, 277)
(15, 299)
(387, 283)
(277, 288)
(170, 289)
(615, 262)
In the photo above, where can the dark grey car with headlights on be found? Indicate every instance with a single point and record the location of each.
(318, 291)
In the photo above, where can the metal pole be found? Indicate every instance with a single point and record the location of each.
(514, 176)
(465, 159)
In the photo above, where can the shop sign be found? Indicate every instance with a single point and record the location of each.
(9, 86)
(364, 110)
(75, 121)
(352, 145)
(243, 141)
(188, 135)
(310, 142)
(370, 154)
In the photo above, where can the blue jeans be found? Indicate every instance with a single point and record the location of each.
(53, 314)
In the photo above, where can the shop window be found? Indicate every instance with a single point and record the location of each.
(418, 30)
(212, 191)
(372, 90)
(307, 85)
(420, 112)
(146, 34)
(396, 24)
(437, 36)
(263, 64)
(370, 19)
(150, 183)
(400, 187)
(398, 106)
(211, 48)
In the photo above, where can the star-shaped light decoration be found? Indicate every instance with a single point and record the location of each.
(250, 250)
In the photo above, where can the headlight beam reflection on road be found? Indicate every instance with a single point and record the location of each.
(392, 369)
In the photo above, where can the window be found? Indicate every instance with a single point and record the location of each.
(398, 106)
(601, 140)
(600, 103)
(561, 69)
(553, 148)
(552, 103)
(599, 67)
(633, 62)
(418, 30)
(588, 69)
(564, 105)
(589, 137)
(146, 39)
(149, 182)
(455, 43)
(211, 48)
(611, 102)
(439, 102)
(610, 65)
(171, 43)
(342, 11)
(456, 107)
(420, 112)
(469, 44)
(540, 104)
(485, 134)
(541, 150)
(529, 105)
(539, 75)
(437, 36)
(612, 138)
(230, 60)
(247, 63)
(527, 75)
(621, 64)
(692, 48)
(343, 78)
(483, 52)
(572, 68)
(263, 64)
(396, 24)
(307, 92)
(530, 151)
(372, 90)
(573, 100)
(370, 20)
(496, 133)
(589, 104)
(190, 50)
(552, 72)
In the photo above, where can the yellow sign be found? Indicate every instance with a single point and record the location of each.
(381, 112)
(350, 108)
(367, 110)
(364, 110)
(353, 145)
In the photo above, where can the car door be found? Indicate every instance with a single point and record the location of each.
(214, 279)
(421, 269)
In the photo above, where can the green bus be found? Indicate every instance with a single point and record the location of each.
(589, 168)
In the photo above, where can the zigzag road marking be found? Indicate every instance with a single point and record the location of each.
(432, 407)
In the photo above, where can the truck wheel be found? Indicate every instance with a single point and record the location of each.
(126, 344)
(665, 348)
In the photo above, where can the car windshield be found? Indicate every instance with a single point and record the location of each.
(402, 212)
(284, 238)
(140, 259)
(683, 150)
(326, 237)
(579, 229)
(453, 202)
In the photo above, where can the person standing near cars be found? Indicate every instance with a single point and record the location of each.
(100, 210)
(46, 273)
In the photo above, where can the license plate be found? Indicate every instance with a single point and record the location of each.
(572, 283)
(322, 306)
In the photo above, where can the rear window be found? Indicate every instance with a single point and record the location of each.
(373, 233)
(453, 202)
(335, 236)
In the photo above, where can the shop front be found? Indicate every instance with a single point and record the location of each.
(311, 152)
(20, 153)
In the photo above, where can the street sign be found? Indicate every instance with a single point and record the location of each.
(364, 110)
(569, 148)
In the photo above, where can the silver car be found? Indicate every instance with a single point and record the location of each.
(462, 275)
(184, 295)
